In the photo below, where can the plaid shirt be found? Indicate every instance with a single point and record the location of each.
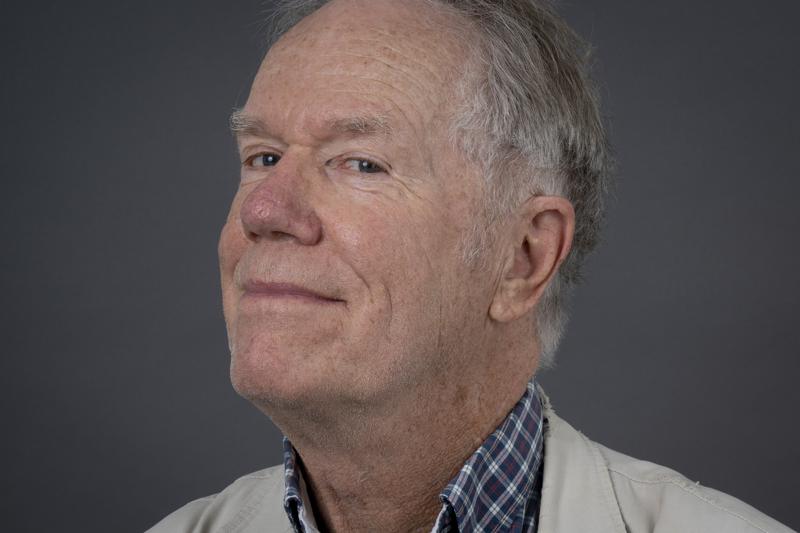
(497, 489)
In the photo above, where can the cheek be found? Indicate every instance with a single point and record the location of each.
(231, 247)
(400, 255)
(232, 241)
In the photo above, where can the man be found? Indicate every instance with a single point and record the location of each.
(421, 180)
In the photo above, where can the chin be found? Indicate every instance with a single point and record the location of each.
(263, 374)
(281, 357)
(272, 378)
(294, 385)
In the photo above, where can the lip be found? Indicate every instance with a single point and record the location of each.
(260, 289)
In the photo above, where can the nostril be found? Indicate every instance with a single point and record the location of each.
(272, 235)
(281, 235)
(251, 235)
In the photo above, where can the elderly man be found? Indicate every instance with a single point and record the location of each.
(420, 182)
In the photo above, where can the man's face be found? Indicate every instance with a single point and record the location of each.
(341, 265)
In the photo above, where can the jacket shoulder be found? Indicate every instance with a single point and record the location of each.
(655, 498)
(255, 498)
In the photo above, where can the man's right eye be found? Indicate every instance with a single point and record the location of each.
(263, 160)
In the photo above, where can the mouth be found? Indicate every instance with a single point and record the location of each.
(289, 291)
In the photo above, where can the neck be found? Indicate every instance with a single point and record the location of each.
(382, 468)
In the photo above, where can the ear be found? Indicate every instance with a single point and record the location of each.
(540, 239)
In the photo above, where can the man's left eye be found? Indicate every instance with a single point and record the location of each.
(363, 165)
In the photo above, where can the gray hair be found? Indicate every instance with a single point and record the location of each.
(530, 119)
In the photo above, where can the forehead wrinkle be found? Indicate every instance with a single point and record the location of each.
(440, 28)
(350, 79)
(379, 45)
(394, 90)
(397, 73)
(414, 126)
(332, 66)
(417, 42)
(407, 75)
(320, 126)
(434, 73)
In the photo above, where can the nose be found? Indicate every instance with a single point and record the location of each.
(278, 208)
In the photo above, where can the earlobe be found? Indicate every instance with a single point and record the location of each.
(541, 240)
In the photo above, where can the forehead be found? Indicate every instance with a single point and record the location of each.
(398, 59)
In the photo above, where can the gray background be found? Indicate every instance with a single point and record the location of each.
(118, 169)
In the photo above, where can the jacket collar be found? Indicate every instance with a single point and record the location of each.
(576, 491)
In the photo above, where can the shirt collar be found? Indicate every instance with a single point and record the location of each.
(295, 492)
(495, 487)
(489, 493)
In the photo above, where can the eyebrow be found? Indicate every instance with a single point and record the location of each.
(361, 125)
(242, 124)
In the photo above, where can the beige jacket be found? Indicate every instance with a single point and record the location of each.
(587, 488)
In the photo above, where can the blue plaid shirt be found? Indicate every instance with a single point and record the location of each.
(497, 489)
